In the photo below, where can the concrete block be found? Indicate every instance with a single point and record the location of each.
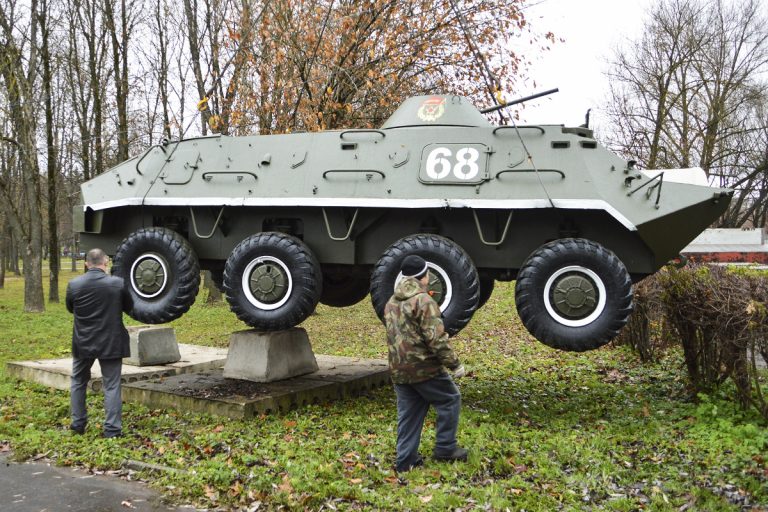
(152, 346)
(56, 373)
(210, 392)
(269, 356)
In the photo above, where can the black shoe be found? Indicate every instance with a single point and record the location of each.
(415, 464)
(458, 454)
(110, 435)
(77, 430)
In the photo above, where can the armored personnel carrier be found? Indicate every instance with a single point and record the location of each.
(286, 221)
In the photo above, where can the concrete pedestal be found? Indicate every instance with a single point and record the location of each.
(152, 346)
(57, 373)
(269, 356)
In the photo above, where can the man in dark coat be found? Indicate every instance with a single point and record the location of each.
(419, 353)
(97, 301)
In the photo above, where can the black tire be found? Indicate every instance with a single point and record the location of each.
(340, 291)
(451, 268)
(486, 289)
(573, 294)
(289, 281)
(161, 271)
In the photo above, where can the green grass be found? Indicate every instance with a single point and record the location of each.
(547, 430)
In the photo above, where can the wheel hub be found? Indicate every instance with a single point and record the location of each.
(149, 275)
(268, 282)
(574, 295)
(436, 287)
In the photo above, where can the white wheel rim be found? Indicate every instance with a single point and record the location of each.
(444, 276)
(132, 276)
(601, 301)
(246, 285)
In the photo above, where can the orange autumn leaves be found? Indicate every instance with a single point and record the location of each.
(320, 64)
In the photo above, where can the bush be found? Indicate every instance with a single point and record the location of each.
(718, 315)
(644, 331)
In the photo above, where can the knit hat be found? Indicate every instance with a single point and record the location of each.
(413, 266)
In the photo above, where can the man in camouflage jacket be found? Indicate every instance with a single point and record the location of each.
(419, 353)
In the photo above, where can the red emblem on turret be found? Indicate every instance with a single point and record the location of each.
(431, 109)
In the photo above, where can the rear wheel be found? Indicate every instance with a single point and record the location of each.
(161, 271)
(272, 281)
(573, 294)
(486, 289)
(341, 290)
(453, 281)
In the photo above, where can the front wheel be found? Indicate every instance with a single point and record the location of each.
(573, 294)
(161, 271)
(272, 281)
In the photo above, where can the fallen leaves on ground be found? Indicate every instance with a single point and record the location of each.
(285, 485)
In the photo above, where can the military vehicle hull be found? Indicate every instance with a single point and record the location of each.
(285, 221)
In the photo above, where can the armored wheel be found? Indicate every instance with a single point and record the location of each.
(272, 281)
(161, 271)
(342, 290)
(573, 294)
(453, 284)
(486, 289)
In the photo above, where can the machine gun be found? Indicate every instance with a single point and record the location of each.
(519, 100)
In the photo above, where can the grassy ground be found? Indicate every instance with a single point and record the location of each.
(547, 430)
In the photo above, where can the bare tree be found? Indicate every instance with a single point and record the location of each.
(195, 42)
(690, 92)
(120, 26)
(52, 171)
(6, 155)
(80, 94)
(88, 35)
(19, 69)
(161, 25)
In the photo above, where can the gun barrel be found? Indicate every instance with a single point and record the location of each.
(519, 100)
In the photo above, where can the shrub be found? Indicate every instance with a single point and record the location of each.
(720, 318)
(644, 331)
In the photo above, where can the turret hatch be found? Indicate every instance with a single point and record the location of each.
(436, 111)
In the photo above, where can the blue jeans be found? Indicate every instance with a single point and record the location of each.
(413, 401)
(113, 403)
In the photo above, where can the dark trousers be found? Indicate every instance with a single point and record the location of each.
(413, 401)
(113, 403)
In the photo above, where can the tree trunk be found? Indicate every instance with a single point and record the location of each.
(94, 37)
(120, 70)
(162, 67)
(74, 253)
(20, 89)
(3, 256)
(53, 231)
(33, 276)
(3, 226)
(79, 87)
(13, 253)
(190, 12)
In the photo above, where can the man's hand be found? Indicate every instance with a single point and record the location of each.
(458, 372)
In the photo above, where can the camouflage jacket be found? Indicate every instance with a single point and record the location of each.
(417, 342)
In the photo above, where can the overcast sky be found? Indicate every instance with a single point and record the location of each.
(591, 28)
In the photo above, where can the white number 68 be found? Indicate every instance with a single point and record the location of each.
(438, 166)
